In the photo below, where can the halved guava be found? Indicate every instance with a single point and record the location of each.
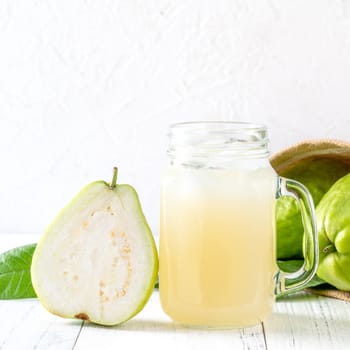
(97, 261)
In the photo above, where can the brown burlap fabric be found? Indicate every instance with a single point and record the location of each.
(329, 291)
(312, 149)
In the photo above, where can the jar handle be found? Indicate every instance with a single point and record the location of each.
(291, 282)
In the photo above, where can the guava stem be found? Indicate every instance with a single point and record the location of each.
(114, 179)
(328, 249)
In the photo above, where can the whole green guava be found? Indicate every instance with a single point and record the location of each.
(333, 219)
(318, 175)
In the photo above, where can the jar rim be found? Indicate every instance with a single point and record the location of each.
(235, 125)
(216, 142)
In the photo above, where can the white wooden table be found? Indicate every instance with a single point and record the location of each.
(299, 322)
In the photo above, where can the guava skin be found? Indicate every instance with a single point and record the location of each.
(289, 229)
(333, 218)
(318, 175)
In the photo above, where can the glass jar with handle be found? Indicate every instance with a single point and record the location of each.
(217, 239)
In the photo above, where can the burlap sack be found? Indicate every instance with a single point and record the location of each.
(308, 150)
(329, 291)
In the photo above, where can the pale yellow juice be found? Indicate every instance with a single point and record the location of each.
(217, 246)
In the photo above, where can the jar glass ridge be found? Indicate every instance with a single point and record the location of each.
(216, 144)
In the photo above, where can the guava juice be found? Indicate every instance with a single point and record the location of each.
(217, 245)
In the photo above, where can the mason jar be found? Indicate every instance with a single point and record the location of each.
(218, 238)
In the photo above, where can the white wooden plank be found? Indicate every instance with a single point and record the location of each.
(152, 329)
(300, 322)
(24, 324)
(309, 322)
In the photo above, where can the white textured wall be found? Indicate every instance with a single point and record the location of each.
(85, 85)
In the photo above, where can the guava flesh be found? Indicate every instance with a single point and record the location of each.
(97, 261)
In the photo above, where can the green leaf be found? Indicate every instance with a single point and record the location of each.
(15, 280)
